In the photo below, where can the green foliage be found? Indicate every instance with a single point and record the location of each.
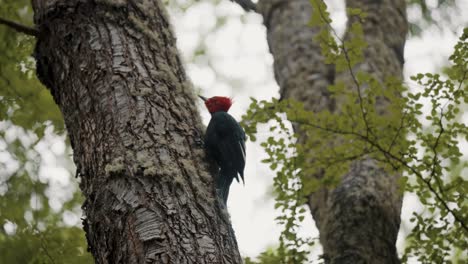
(40, 235)
(290, 197)
(346, 53)
(269, 256)
(53, 245)
(374, 121)
(442, 190)
(24, 101)
(30, 230)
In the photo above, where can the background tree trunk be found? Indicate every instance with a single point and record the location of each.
(113, 68)
(359, 220)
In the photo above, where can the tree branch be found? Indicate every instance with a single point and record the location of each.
(19, 28)
(391, 156)
(247, 5)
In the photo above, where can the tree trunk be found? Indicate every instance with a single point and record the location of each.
(113, 68)
(359, 220)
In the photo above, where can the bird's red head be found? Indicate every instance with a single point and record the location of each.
(217, 103)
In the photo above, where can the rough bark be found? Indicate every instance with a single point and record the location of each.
(359, 220)
(113, 68)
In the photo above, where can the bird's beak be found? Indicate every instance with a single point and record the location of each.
(202, 97)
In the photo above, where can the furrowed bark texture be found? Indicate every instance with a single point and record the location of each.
(114, 70)
(359, 219)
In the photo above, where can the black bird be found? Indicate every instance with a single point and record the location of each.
(225, 142)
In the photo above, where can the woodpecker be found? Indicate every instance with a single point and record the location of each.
(225, 142)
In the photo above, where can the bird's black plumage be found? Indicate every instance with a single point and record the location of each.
(225, 142)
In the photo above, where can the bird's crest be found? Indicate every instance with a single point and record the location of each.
(217, 103)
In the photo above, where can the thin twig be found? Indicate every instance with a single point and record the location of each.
(19, 27)
(465, 73)
(400, 128)
(43, 246)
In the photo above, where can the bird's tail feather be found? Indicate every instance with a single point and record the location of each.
(223, 183)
